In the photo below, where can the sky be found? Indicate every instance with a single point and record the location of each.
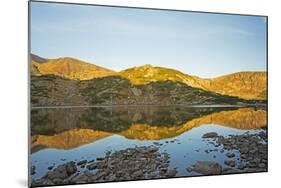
(201, 44)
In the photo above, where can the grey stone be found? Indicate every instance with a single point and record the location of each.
(33, 170)
(82, 162)
(210, 135)
(171, 173)
(207, 167)
(92, 166)
(230, 163)
(262, 165)
(230, 155)
(70, 168)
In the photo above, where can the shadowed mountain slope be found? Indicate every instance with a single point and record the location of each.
(115, 90)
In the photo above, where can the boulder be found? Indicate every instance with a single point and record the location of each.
(230, 163)
(207, 167)
(210, 135)
(230, 155)
(83, 162)
(62, 171)
(92, 166)
(33, 168)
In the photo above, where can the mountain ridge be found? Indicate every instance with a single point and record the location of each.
(249, 85)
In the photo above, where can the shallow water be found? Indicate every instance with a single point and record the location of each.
(60, 135)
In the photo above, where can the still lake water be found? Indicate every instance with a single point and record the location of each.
(59, 135)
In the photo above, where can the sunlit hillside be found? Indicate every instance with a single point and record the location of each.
(69, 68)
(245, 85)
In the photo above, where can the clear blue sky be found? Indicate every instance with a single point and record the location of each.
(206, 45)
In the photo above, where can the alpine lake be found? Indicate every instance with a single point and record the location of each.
(117, 143)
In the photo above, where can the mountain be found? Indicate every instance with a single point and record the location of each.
(246, 85)
(67, 67)
(148, 73)
(37, 58)
(243, 85)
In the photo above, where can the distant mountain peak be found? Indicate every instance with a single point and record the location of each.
(37, 58)
(68, 67)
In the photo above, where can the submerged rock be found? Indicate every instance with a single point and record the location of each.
(33, 168)
(83, 162)
(210, 135)
(231, 171)
(58, 175)
(230, 155)
(171, 173)
(70, 168)
(206, 167)
(62, 171)
(231, 163)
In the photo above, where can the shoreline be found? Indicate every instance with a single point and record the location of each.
(147, 162)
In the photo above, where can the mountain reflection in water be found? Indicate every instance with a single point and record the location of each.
(68, 128)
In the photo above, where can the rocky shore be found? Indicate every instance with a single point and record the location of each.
(252, 149)
(243, 153)
(137, 163)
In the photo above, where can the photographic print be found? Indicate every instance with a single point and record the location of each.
(121, 94)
